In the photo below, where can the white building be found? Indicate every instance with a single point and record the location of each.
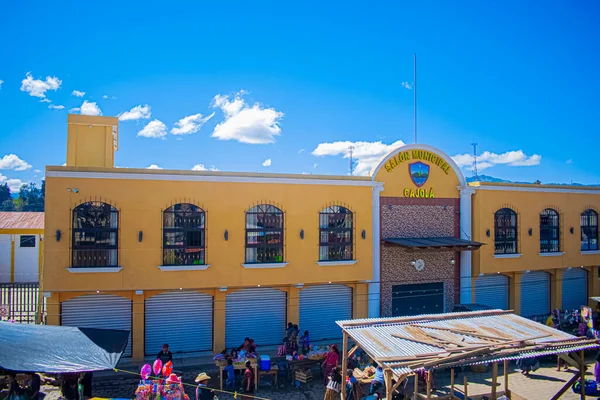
(21, 246)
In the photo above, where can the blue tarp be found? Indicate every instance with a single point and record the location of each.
(59, 349)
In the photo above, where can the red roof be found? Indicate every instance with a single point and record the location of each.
(21, 220)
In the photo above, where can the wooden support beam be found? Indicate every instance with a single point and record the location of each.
(506, 390)
(429, 373)
(353, 351)
(426, 342)
(401, 379)
(566, 387)
(452, 383)
(388, 383)
(466, 388)
(416, 385)
(494, 379)
(344, 364)
(582, 374)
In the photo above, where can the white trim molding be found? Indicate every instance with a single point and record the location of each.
(533, 188)
(197, 267)
(94, 270)
(466, 268)
(264, 265)
(336, 263)
(589, 252)
(374, 301)
(553, 254)
(207, 178)
(514, 255)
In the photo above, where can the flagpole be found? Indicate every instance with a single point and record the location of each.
(415, 93)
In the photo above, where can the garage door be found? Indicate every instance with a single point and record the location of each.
(492, 291)
(574, 288)
(103, 311)
(184, 320)
(535, 294)
(320, 307)
(423, 298)
(258, 313)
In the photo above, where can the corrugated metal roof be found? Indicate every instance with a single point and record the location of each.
(433, 242)
(21, 220)
(379, 337)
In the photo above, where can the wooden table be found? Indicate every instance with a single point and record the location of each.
(240, 367)
(273, 371)
(302, 364)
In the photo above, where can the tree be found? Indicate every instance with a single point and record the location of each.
(4, 193)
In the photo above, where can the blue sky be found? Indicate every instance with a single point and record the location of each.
(302, 81)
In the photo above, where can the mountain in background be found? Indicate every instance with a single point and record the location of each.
(487, 178)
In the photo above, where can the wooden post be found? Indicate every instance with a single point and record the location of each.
(466, 388)
(494, 379)
(416, 385)
(344, 363)
(388, 384)
(452, 383)
(429, 383)
(506, 391)
(582, 373)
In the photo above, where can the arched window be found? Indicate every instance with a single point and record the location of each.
(549, 231)
(264, 234)
(184, 235)
(335, 234)
(589, 230)
(505, 231)
(95, 235)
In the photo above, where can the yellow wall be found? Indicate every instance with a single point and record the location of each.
(90, 141)
(528, 206)
(442, 179)
(141, 202)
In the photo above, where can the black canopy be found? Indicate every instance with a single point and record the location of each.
(59, 349)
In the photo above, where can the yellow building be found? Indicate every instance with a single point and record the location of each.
(200, 260)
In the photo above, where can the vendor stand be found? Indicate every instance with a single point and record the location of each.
(409, 346)
(239, 365)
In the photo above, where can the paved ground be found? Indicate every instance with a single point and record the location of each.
(542, 384)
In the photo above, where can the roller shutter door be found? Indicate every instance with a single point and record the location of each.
(320, 307)
(258, 313)
(492, 291)
(535, 294)
(574, 288)
(102, 311)
(184, 320)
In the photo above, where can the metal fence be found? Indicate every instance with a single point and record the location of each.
(21, 302)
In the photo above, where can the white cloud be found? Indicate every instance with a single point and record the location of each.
(201, 167)
(407, 85)
(77, 93)
(154, 129)
(37, 171)
(107, 97)
(488, 159)
(13, 184)
(300, 151)
(190, 124)
(154, 166)
(136, 113)
(38, 87)
(12, 161)
(244, 123)
(45, 101)
(366, 154)
(55, 107)
(315, 165)
(87, 108)
(1, 82)
(267, 163)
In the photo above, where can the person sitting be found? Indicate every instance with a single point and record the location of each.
(378, 381)
(244, 345)
(15, 391)
(165, 355)
(305, 340)
(289, 330)
(34, 386)
(291, 347)
(202, 391)
(251, 348)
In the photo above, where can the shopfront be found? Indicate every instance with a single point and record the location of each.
(320, 307)
(492, 291)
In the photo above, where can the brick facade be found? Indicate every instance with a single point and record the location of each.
(409, 217)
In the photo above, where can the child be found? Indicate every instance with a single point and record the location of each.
(333, 386)
(305, 343)
(230, 382)
(248, 382)
(378, 381)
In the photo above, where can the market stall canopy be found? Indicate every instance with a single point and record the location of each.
(434, 243)
(408, 344)
(59, 349)
(595, 299)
